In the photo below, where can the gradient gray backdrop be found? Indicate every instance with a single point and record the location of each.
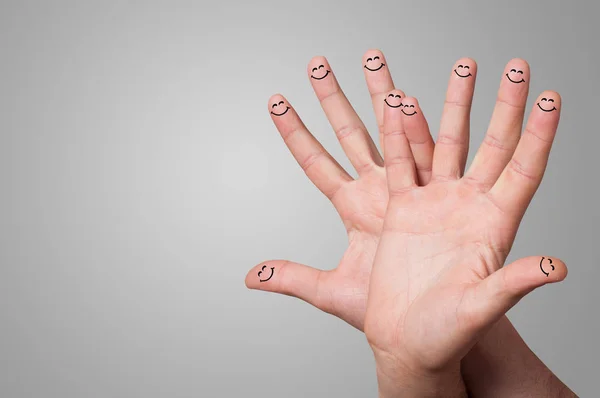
(141, 177)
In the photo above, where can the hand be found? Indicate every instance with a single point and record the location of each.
(437, 282)
(513, 368)
(361, 203)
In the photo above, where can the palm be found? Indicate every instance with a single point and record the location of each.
(362, 204)
(343, 291)
(438, 242)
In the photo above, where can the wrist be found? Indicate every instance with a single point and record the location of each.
(397, 380)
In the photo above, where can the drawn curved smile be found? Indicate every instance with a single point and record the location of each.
(520, 81)
(542, 267)
(546, 100)
(374, 70)
(393, 96)
(520, 72)
(462, 67)
(373, 59)
(261, 271)
(408, 114)
(287, 108)
(319, 78)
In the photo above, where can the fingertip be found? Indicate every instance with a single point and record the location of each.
(279, 107)
(410, 107)
(260, 275)
(408, 100)
(392, 113)
(542, 269)
(399, 92)
(251, 280)
(466, 62)
(552, 94)
(469, 61)
(321, 77)
(316, 63)
(394, 101)
(518, 62)
(274, 99)
(517, 71)
(555, 269)
(549, 101)
(370, 54)
(395, 93)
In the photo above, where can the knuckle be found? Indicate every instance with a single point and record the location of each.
(349, 130)
(491, 140)
(517, 167)
(537, 135)
(450, 139)
(311, 160)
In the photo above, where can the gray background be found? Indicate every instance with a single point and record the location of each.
(141, 177)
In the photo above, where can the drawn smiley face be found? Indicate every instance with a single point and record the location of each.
(262, 270)
(318, 68)
(277, 105)
(411, 112)
(463, 71)
(517, 76)
(546, 264)
(546, 102)
(374, 61)
(393, 97)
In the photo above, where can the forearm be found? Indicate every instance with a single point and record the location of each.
(502, 365)
(451, 387)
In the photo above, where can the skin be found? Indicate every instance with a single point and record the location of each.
(438, 280)
(436, 188)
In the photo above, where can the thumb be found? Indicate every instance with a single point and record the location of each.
(500, 291)
(286, 277)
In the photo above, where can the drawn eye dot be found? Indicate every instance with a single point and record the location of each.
(280, 102)
(391, 95)
(259, 272)
(321, 66)
(520, 71)
(397, 96)
(274, 105)
(460, 66)
(467, 67)
(376, 58)
(369, 59)
(551, 100)
(314, 69)
(513, 70)
(412, 106)
(544, 99)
